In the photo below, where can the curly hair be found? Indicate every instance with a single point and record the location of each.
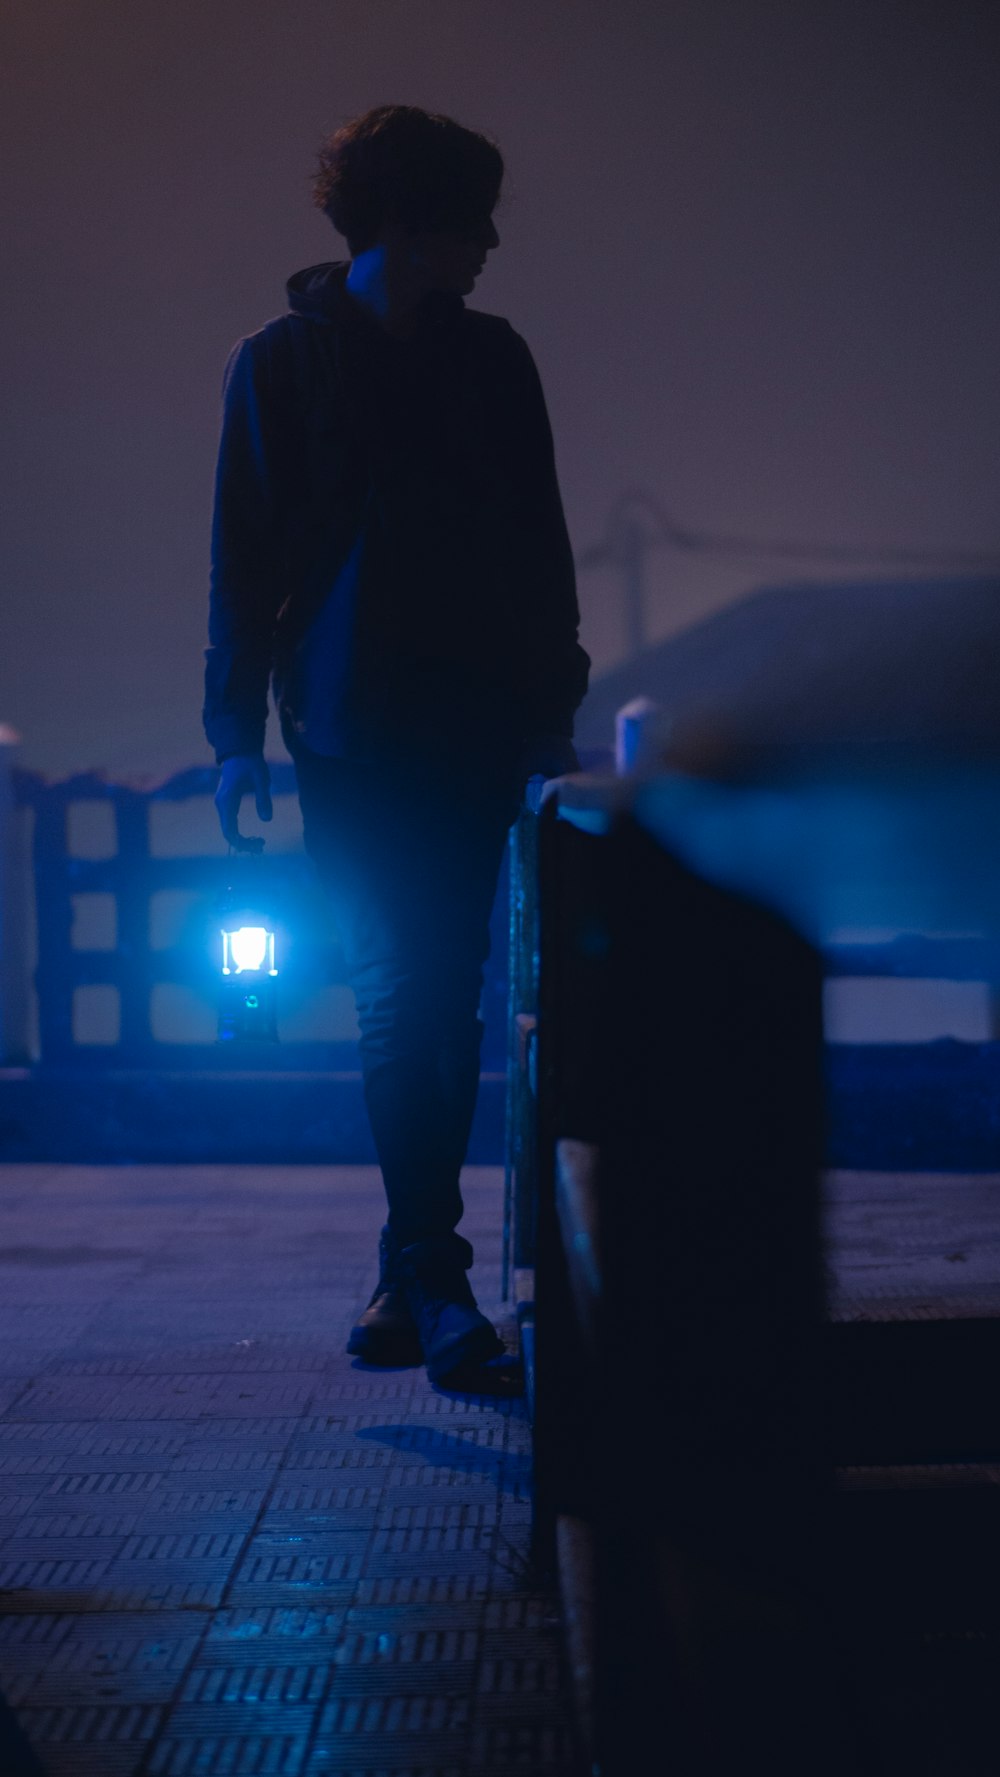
(416, 167)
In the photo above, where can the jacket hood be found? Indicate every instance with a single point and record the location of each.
(319, 293)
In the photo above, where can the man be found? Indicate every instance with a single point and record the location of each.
(389, 547)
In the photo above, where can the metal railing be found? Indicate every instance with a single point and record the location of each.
(129, 961)
(134, 959)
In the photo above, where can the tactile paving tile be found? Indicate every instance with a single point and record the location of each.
(522, 1612)
(114, 1594)
(233, 1549)
(319, 1580)
(312, 1535)
(88, 1668)
(375, 1734)
(91, 1724)
(505, 1750)
(14, 1505)
(394, 1769)
(527, 1684)
(156, 1481)
(12, 1390)
(21, 1548)
(118, 1523)
(211, 1744)
(391, 1621)
(279, 1632)
(164, 1396)
(270, 1654)
(434, 1515)
(66, 1759)
(257, 1357)
(453, 1681)
(422, 1588)
(331, 1407)
(297, 1492)
(71, 1438)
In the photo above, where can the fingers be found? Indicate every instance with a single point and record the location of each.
(239, 775)
(227, 803)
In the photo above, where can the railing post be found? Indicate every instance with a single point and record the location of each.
(13, 1010)
(54, 978)
(132, 894)
(641, 731)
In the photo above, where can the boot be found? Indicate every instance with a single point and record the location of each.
(386, 1332)
(454, 1336)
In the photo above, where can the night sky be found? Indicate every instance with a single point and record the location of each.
(752, 243)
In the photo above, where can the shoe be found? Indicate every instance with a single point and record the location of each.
(454, 1336)
(386, 1333)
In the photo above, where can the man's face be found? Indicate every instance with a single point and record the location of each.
(449, 259)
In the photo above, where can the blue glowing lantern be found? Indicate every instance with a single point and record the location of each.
(248, 997)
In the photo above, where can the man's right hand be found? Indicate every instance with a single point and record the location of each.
(240, 774)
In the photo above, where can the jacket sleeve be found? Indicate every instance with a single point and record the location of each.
(558, 666)
(247, 557)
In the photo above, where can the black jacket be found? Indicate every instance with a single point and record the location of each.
(388, 538)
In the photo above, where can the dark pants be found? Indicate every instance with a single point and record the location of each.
(410, 853)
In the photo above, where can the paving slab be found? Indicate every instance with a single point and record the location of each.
(225, 1546)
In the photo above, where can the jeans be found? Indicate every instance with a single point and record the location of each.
(409, 852)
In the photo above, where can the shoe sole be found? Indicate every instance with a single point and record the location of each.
(476, 1347)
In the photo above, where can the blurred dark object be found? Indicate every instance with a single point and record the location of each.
(860, 664)
(770, 1510)
(678, 1400)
